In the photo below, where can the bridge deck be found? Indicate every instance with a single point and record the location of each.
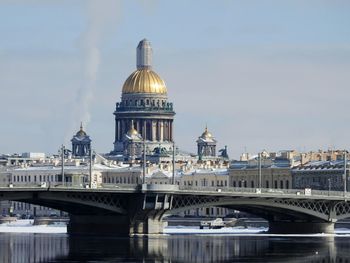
(188, 190)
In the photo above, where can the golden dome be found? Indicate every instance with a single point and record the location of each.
(132, 131)
(206, 134)
(81, 132)
(144, 81)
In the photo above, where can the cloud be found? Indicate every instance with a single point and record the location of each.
(102, 17)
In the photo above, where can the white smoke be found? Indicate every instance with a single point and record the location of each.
(102, 16)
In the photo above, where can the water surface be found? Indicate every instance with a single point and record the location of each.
(174, 248)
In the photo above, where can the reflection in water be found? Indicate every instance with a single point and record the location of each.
(32, 247)
(178, 248)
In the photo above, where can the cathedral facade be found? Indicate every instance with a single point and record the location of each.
(144, 109)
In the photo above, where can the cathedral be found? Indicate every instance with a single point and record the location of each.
(144, 115)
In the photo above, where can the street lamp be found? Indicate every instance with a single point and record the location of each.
(329, 186)
(345, 170)
(259, 181)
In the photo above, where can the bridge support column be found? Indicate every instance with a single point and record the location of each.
(301, 227)
(114, 225)
(148, 226)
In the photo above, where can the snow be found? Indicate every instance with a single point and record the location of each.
(224, 230)
(240, 231)
(26, 226)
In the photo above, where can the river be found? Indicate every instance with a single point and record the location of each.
(17, 247)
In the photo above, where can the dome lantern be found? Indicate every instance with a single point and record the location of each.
(144, 55)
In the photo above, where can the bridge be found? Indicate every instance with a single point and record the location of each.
(140, 209)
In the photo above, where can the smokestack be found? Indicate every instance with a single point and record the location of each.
(144, 55)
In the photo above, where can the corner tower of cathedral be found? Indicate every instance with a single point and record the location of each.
(144, 106)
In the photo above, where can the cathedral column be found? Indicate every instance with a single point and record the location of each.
(169, 131)
(161, 131)
(121, 129)
(144, 130)
(158, 130)
(154, 131)
(165, 131)
(118, 130)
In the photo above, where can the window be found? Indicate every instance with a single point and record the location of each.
(234, 183)
(252, 184)
(276, 186)
(287, 184)
(281, 184)
(267, 184)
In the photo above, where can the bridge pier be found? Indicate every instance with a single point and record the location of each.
(102, 225)
(148, 226)
(300, 227)
(114, 225)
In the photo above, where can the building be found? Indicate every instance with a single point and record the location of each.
(132, 144)
(320, 175)
(144, 105)
(275, 171)
(206, 145)
(81, 143)
(217, 178)
(320, 155)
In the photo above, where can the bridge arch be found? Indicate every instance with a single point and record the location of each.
(71, 202)
(265, 208)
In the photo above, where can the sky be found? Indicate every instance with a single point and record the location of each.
(261, 74)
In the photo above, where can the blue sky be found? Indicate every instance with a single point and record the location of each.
(262, 74)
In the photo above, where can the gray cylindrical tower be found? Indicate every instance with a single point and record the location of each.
(144, 55)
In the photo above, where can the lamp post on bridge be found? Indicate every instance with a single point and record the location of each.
(144, 163)
(329, 186)
(173, 176)
(62, 163)
(90, 168)
(259, 163)
(344, 176)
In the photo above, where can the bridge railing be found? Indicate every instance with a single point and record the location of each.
(57, 185)
(269, 191)
(223, 189)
